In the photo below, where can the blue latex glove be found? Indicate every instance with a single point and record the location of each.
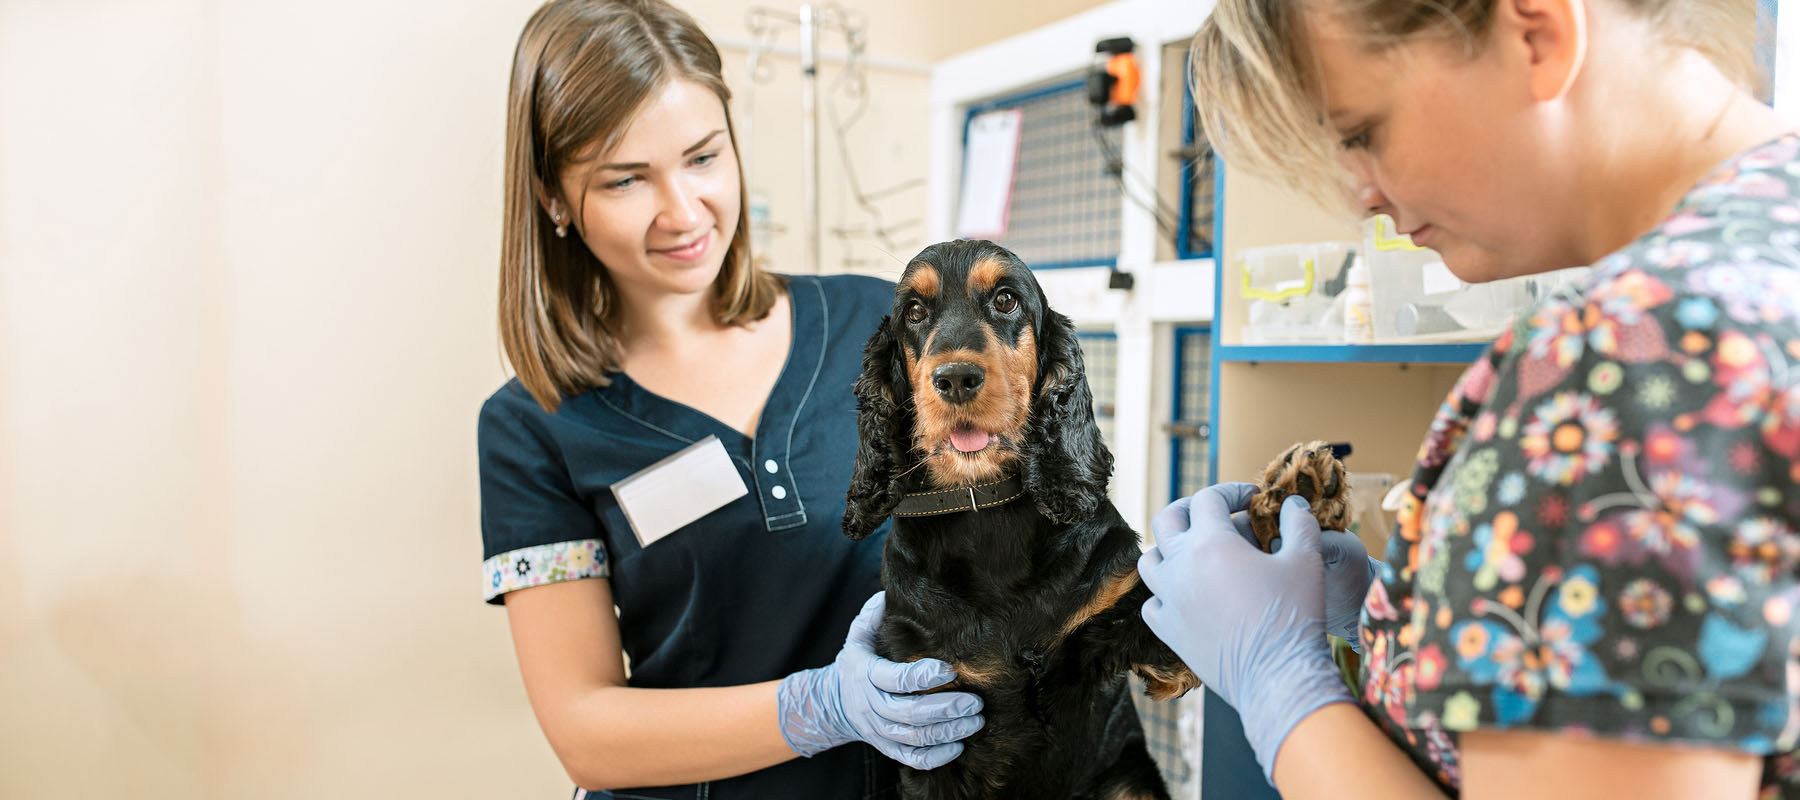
(862, 696)
(1348, 572)
(1349, 569)
(1250, 624)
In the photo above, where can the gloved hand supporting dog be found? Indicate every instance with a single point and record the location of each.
(862, 696)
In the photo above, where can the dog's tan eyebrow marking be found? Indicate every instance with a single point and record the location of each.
(1103, 599)
(986, 273)
(923, 280)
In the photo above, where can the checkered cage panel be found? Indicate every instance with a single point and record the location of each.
(1198, 203)
(1172, 728)
(1193, 368)
(1065, 205)
(1100, 354)
(1170, 736)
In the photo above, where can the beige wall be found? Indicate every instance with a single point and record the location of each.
(247, 257)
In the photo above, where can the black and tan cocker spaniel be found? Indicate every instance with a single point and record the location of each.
(1006, 558)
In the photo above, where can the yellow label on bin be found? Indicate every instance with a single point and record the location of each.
(1278, 295)
(1385, 241)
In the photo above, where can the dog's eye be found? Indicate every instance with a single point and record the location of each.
(915, 313)
(1006, 302)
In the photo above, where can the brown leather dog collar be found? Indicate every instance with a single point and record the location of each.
(961, 498)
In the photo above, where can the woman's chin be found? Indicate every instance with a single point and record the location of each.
(694, 279)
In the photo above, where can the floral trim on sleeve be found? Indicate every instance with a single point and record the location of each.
(541, 564)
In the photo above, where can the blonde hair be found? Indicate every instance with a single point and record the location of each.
(582, 70)
(1253, 82)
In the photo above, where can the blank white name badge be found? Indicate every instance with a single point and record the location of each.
(661, 498)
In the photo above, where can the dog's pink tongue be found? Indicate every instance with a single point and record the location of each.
(968, 439)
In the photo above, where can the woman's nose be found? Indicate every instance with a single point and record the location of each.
(1370, 199)
(1363, 188)
(680, 208)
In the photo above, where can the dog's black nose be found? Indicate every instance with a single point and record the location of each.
(958, 382)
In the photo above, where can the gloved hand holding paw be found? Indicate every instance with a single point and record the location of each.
(1349, 569)
(1250, 624)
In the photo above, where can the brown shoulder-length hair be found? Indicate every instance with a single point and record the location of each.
(582, 70)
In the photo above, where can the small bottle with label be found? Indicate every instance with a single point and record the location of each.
(1359, 305)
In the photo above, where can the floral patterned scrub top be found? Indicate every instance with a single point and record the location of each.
(1601, 533)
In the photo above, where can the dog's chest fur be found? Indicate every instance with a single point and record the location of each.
(1000, 595)
(996, 576)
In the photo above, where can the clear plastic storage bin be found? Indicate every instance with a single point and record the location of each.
(1289, 292)
(1415, 298)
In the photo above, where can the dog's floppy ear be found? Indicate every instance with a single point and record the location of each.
(884, 433)
(1068, 465)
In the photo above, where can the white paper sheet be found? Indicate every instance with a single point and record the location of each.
(987, 175)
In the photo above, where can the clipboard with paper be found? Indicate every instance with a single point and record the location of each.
(989, 158)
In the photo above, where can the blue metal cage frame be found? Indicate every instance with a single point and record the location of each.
(1181, 482)
(1190, 134)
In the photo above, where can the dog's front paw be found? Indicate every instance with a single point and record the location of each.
(1308, 470)
(1165, 682)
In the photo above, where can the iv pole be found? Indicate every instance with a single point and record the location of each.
(809, 133)
(809, 23)
(814, 22)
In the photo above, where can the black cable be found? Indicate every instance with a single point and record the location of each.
(1115, 166)
(852, 82)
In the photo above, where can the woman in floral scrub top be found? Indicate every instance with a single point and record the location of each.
(1594, 586)
(1601, 533)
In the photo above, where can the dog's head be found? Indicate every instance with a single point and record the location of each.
(970, 376)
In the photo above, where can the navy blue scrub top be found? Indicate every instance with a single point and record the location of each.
(759, 588)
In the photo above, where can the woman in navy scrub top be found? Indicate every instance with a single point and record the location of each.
(639, 326)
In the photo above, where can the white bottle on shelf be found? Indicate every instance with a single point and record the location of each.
(1359, 305)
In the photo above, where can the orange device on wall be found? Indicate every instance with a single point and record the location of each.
(1113, 81)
